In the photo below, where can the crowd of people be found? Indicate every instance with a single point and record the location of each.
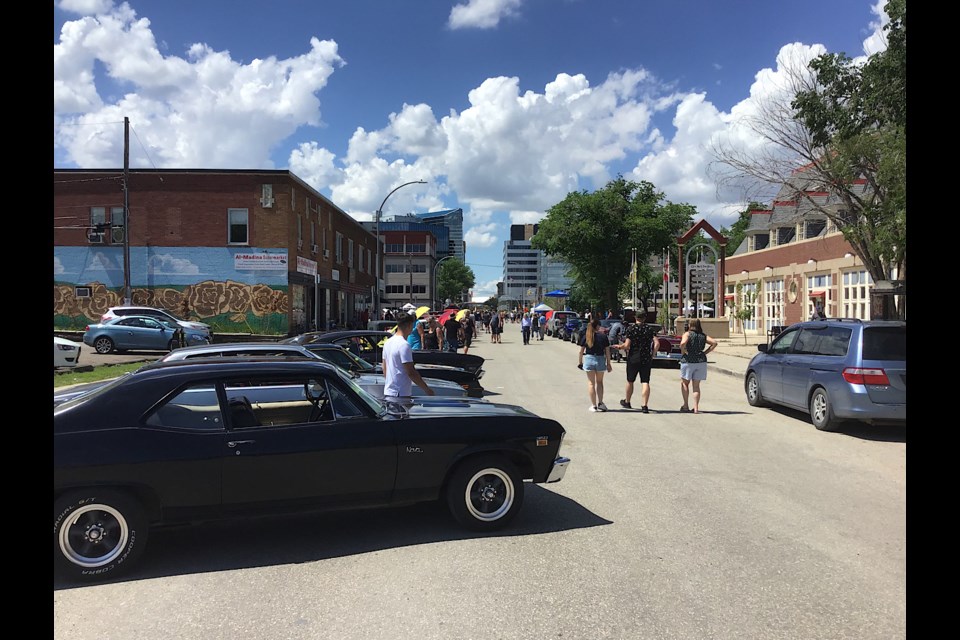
(631, 339)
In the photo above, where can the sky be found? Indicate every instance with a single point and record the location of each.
(503, 107)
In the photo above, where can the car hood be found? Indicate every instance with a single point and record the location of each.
(378, 379)
(438, 407)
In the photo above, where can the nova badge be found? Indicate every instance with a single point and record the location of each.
(414, 450)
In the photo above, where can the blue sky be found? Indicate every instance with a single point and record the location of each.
(503, 106)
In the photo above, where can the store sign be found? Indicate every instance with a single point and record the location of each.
(307, 266)
(702, 277)
(260, 261)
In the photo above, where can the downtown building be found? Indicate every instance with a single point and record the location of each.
(529, 273)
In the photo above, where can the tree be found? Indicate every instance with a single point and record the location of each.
(453, 279)
(743, 307)
(595, 233)
(840, 128)
(491, 303)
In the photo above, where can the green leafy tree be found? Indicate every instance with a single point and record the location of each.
(842, 130)
(595, 233)
(453, 279)
(743, 311)
(491, 303)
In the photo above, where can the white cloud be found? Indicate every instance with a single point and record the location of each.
(483, 291)
(57, 266)
(480, 236)
(526, 217)
(166, 264)
(877, 41)
(86, 7)
(185, 111)
(481, 14)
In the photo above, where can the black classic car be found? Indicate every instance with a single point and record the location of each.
(463, 368)
(198, 440)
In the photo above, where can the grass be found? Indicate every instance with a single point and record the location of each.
(104, 372)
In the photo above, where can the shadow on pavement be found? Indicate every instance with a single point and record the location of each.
(259, 542)
(853, 429)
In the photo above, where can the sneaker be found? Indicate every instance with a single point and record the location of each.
(625, 404)
(593, 408)
(644, 409)
(601, 407)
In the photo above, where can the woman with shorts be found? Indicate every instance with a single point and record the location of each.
(595, 360)
(694, 345)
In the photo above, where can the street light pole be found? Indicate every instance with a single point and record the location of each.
(376, 297)
(436, 294)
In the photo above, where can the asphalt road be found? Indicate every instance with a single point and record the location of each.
(735, 523)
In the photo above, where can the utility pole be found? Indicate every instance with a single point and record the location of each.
(127, 294)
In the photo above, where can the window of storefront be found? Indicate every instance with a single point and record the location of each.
(773, 303)
(819, 289)
(855, 294)
(749, 297)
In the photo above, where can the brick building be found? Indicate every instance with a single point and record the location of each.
(246, 251)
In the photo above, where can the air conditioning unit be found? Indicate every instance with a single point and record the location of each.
(117, 235)
(314, 248)
(299, 244)
(94, 237)
(266, 196)
(326, 254)
(266, 203)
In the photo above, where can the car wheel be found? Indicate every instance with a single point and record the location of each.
(103, 344)
(821, 411)
(485, 493)
(97, 533)
(753, 391)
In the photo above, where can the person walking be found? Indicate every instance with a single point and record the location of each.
(534, 324)
(452, 327)
(694, 347)
(526, 325)
(543, 326)
(469, 328)
(638, 345)
(399, 371)
(616, 334)
(494, 326)
(432, 335)
(595, 360)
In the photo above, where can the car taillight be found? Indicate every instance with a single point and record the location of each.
(859, 375)
(86, 328)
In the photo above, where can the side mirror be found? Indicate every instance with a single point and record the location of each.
(762, 347)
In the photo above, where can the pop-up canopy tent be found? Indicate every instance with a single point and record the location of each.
(543, 307)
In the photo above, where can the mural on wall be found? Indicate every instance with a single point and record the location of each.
(252, 299)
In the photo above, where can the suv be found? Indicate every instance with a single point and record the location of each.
(838, 369)
(116, 312)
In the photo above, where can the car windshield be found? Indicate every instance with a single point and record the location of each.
(375, 405)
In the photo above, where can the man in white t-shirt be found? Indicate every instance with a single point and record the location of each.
(398, 367)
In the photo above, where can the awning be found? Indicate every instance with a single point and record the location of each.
(730, 296)
(818, 294)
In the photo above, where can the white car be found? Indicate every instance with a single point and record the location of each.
(66, 353)
(163, 314)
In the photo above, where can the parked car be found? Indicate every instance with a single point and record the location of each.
(371, 379)
(154, 312)
(196, 440)
(837, 370)
(667, 350)
(573, 330)
(66, 353)
(140, 333)
(557, 320)
(381, 325)
(464, 369)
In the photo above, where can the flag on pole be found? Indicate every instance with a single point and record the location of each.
(666, 266)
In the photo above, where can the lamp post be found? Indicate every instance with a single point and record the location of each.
(376, 297)
(436, 294)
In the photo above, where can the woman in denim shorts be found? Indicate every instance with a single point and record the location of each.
(695, 345)
(595, 360)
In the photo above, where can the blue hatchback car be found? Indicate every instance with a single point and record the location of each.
(837, 370)
(140, 332)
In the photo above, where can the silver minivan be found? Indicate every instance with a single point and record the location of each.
(836, 369)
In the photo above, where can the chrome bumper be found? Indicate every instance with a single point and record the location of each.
(559, 468)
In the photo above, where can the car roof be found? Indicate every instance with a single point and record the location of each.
(238, 346)
(240, 365)
(134, 316)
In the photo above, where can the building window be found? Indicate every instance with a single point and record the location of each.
(325, 247)
(813, 228)
(419, 288)
(98, 215)
(855, 296)
(338, 247)
(394, 288)
(369, 261)
(773, 303)
(819, 289)
(313, 232)
(761, 241)
(299, 231)
(350, 252)
(293, 199)
(785, 235)
(749, 297)
(238, 226)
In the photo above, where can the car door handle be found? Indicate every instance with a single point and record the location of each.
(234, 443)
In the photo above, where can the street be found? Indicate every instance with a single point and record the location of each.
(734, 523)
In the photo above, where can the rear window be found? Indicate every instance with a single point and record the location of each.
(885, 343)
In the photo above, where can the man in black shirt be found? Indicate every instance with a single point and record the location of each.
(452, 327)
(638, 342)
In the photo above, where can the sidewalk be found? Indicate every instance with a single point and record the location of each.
(732, 356)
